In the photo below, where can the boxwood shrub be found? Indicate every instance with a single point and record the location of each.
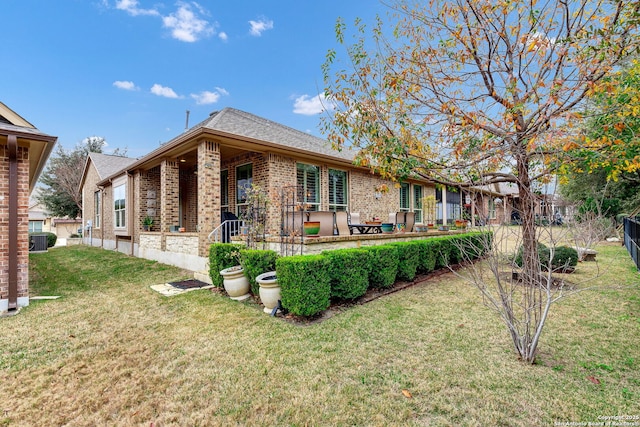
(383, 266)
(221, 256)
(408, 259)
(428, 253)
(349, 272)
(305, 284)
(563, 257)
(255, 262)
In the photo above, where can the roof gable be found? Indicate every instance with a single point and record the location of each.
(107, 165)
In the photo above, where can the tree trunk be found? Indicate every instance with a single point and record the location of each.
(531, 268)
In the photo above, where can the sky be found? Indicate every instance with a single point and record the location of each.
(128, 70)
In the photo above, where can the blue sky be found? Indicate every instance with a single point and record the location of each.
(127, 70)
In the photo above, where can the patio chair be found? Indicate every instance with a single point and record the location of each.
(293, 223)
(410, 220)
(354, 218)
(396, 217)
(327, 222)
(342, 223)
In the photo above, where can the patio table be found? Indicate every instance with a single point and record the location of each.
(366, 228)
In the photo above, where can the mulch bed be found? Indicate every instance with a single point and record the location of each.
(340, 306)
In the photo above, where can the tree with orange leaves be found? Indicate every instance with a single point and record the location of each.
(473, 92)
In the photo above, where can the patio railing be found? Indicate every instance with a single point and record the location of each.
(224, 231)
(632, 239)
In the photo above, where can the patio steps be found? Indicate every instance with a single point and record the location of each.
(202, 276)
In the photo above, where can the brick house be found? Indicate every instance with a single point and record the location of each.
(188, 182)
(24, 151)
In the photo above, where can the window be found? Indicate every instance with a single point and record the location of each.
(308, 177)
(96, 207)
(119, 206)
(404, 197)
(224, 190)
(417, 202)
(492, 208)
(337, 190)
(244, 179)
(35, 226)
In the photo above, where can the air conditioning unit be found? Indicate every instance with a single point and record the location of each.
(38, 243)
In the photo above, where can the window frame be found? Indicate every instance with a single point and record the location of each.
(120, 209)
(405, 188)
(338, 207)
(34, 222)
(304, 193)
(97, 201)
(418, 209)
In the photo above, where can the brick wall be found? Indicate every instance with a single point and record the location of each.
(23, 222)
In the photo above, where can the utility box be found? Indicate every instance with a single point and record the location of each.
(38, 243)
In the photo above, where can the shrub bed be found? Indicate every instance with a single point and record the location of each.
(221, 256)
(349, 272)
(255, 262)
(383, 266)
(305, 284)
(408, 259)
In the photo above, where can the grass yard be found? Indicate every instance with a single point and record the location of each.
(113, 352)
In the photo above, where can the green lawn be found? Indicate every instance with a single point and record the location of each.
(113, 352)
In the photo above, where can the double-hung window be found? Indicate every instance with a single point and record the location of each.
(119, 206)
(244, 179)
(96, 208)
(337, 190)
(404, 197)
(417, 202)
(308, 179)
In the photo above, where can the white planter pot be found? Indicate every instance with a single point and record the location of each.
(236, 283)
(269, 290)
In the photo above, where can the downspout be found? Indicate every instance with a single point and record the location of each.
(13, 221)
(130, 212)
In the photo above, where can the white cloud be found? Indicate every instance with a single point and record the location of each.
(258, 27)
(222, 91)
(206, 97)
(308, 106)
(125, 85)
(131, 7)
(186, 25)
(160, 90)
(223, 36)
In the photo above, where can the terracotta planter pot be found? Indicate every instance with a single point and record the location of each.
(236, 283)
(269, 290)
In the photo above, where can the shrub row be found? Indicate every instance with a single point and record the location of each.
(221, 256)
(308, 282)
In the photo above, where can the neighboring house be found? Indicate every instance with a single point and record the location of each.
(41, 221)
(24, 151)
(190, 181)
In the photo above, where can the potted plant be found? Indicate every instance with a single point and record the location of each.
(147, 223)
(269, 290)
(236, 283)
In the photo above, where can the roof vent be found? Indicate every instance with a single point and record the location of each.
(213, 113)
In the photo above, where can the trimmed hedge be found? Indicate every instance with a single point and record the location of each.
(305, 284)
(408, 259)
(383, 266)
(221, 256)
(428, 254)
(255, 262)
(349, 272)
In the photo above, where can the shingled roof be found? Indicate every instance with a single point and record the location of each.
(108, 165)
(241, 123)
